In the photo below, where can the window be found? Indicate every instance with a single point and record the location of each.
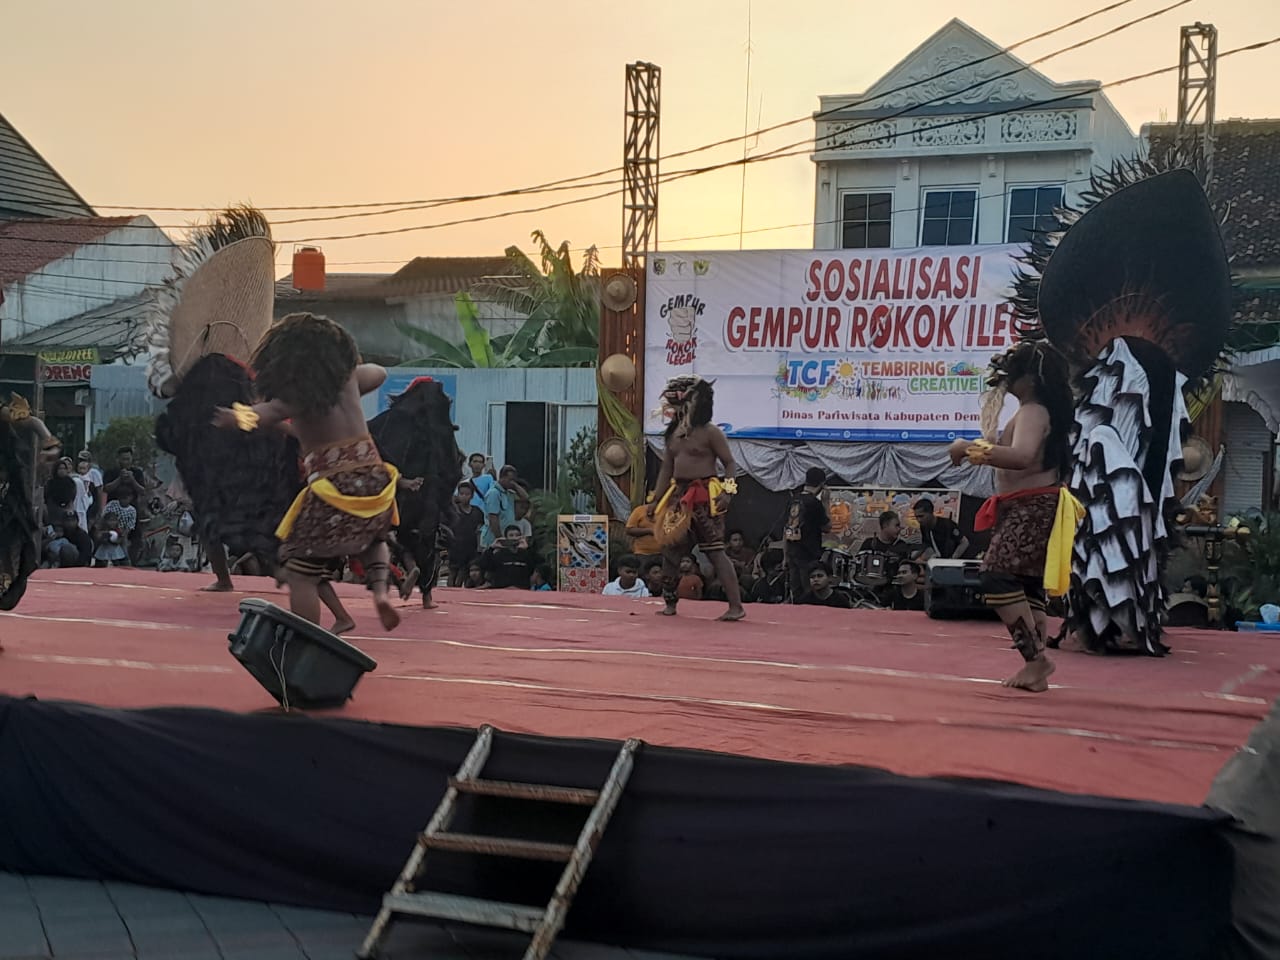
(867, 221)
(1031, 211)
(950, 218)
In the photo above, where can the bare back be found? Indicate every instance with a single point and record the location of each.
(1028, 431)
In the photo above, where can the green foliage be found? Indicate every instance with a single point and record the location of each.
(562, 306)
(580, 463)
(136, 432)
(1254, 565)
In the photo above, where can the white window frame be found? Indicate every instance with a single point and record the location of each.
(951, 188)
(1008, 199)
(864, 191)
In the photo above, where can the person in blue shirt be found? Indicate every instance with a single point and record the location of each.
(500, 505)
(480, 479)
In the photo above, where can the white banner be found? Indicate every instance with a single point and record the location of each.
(831, 345)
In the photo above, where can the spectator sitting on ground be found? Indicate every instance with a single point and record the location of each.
(475, 576)
(541, 578)
(652, 576)
(906, 593)
(771, 582)
(1197, 585)
(690, 586)
(822, 590)
(59, 551)
(509, 562)
(628, 583)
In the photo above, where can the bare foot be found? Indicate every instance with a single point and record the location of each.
(668, 611)
(1034, 675)
(733, 613)
(428, 603)
(342, 626)
(406, 585)
(388, 614)
(218, 587)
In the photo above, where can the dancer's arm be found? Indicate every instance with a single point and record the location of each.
(369, 377)
(269, 414)
(664, 480)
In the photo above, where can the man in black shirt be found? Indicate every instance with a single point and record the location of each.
(822, 590)
(807, 521)
(509, 562)
(906, 593)
(887, 550)
(940, 537)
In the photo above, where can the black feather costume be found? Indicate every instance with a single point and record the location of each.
(18, 556)
(417, 435)
(1136, 291)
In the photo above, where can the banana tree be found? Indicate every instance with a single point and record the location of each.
(562, 307)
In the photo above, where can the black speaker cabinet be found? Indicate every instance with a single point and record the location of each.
(952, 590)
(296, 661)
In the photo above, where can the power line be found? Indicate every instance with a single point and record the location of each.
(571, 183)
(779, 153)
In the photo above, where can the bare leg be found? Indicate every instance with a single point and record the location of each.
(376, 564)
(218, 561)
(1021, 624)
(342, 621)
(729, 581)
(304, 597)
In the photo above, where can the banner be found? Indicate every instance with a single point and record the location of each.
(70, 366)
(582, 552)
(832, 345)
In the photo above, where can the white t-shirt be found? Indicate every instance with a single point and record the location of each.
(637, 590)
(82, 501)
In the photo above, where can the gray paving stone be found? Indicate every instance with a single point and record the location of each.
(21, 932)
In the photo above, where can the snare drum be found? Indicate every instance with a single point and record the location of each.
(840, 563)
(873, 569)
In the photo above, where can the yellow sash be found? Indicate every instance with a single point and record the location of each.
(363, 507)
(1057, 561)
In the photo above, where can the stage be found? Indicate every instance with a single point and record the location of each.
(891, 690)
(721, 854)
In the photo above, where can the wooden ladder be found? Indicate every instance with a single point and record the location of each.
(543, 923)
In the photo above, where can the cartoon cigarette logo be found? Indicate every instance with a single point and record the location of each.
(682, 320)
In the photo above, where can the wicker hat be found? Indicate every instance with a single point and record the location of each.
(614, 456)
(619, 292)
(220, 301)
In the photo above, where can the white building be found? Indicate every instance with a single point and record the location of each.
(960, 143)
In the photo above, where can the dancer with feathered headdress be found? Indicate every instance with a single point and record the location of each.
(694, 500)
(204, 326)
(1136, 291)
(24, 441)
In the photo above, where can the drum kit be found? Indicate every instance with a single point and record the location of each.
(862, 575)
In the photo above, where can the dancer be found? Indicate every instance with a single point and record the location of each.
(417, 434)
(20, 435)
(308, 371)
(695, 501)
(1029, 513)
(1136, 291)
(202, 328)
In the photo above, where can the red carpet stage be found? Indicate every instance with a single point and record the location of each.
(892, 690)
(920, 809)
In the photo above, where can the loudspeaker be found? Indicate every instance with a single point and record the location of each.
(296, 661)
(953, 589)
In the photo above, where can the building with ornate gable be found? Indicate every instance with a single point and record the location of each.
(960, 143)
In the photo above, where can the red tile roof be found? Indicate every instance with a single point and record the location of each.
(419, 277)
(1245, 184)
(28, 245)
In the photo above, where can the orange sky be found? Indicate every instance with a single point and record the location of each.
(280, 102)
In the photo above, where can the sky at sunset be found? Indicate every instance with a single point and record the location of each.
(276, 102)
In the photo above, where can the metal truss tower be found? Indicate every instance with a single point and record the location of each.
(640, 164)
(1197, 87)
